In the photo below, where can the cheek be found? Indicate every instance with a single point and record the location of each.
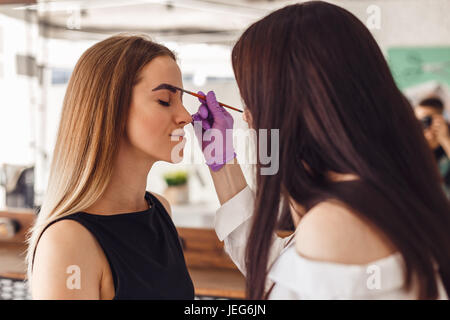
(147, 130)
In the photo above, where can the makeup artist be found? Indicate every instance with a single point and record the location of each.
(371, 217)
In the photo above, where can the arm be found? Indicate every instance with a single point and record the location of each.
(225, 171)
(228, 181)
(65, 264)
(233, 219)
(442, 132)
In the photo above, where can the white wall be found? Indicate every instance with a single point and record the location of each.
(18, 94)
(406, 22)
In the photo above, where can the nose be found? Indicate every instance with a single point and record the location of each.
(183, 117)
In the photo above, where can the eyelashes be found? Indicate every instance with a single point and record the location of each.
(164, 103)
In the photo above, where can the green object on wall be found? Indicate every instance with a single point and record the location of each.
(411, 66)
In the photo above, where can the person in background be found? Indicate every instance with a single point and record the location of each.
(436, 130)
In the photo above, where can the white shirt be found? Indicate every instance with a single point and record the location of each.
(296, 277)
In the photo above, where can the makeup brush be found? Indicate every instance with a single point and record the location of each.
(173, 89)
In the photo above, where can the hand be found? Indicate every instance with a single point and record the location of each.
(213, 127)
(440, 128)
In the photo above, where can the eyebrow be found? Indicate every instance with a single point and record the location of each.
(171, 88)
(166, 86)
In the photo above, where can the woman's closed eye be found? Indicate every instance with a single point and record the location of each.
(164, 103)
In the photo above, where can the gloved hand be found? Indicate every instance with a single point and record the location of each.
(211, 123)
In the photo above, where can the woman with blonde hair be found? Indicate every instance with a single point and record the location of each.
(99, 233)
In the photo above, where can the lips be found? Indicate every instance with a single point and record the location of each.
(177, 136)
(177, 133)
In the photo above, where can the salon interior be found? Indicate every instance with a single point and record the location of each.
(41, 41)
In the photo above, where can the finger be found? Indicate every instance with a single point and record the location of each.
(203, 111)
(211, 100)
(197, 118)
(437, 125)
(205, 124)
(214, 106)
(202, 94)
(194, 117)
(435, 120)
(434, 130)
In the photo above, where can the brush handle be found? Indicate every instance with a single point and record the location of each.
(204, 98)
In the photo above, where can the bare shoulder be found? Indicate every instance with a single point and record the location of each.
(332, 232)
(67, 249)
(164, 202)
(66, 233)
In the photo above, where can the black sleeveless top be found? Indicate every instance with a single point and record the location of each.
(143, 251)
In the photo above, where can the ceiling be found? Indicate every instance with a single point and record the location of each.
(207, 21)
(215, 21)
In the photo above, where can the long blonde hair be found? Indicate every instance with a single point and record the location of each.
(94, 115)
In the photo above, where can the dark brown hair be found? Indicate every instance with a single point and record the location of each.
(315, 72)
(434, 103)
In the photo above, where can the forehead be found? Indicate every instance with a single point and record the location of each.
(422, 111)
(160, 70)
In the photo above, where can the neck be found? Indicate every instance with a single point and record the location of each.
(298, 211)
(126, 189)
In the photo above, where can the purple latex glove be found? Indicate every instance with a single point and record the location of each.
(213, 126)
